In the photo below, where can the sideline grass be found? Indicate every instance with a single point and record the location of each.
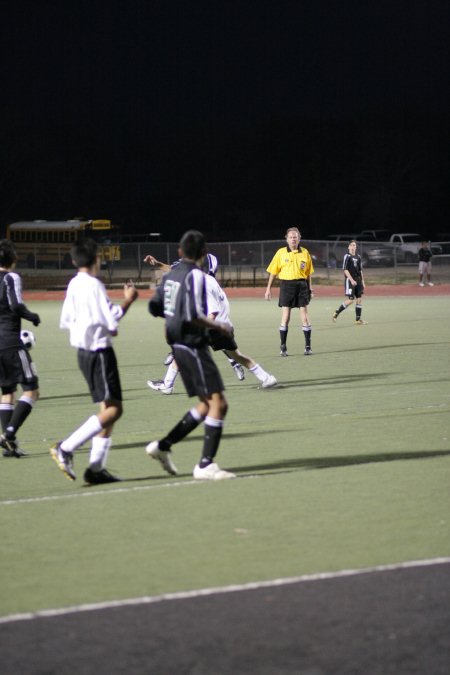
(344, 465)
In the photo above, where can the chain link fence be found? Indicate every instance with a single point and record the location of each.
(244, 263)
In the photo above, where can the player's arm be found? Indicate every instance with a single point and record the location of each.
(268, 293)
(14, 294)
(151, 260)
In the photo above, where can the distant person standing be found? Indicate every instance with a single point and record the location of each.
(293, 266)
(353, 283)
(16, 365)
(425, 256)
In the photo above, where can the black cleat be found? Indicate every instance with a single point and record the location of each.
(100, 477)
(10, 447)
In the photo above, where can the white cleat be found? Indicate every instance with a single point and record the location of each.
(269, 382)
(430, 283)
(163, 457)
(158, 385)
(212, 472)
(239, 371)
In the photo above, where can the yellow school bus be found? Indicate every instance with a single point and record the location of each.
(45, 243)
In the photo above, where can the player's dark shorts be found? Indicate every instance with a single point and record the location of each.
(353, 292)
(220, 341)
(294, 293)
(101, 373)
(198, 370)
(17, 367)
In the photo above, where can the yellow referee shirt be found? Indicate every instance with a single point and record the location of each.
(289, 265)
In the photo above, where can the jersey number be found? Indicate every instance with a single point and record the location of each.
(171, 289)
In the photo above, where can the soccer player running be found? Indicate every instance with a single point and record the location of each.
(166, 385)
(218, 308)
(293, 266)
(16, 365)
(181, 300)
(353, 283)
(93, 321)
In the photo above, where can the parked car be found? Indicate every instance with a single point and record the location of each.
(374, 235)
(407, 246)
(336, 247)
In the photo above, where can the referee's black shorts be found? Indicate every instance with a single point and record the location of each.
(101, 372)
(294, 293)
(17, 367)
(198, 370)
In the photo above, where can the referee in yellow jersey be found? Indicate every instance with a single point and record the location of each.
(293, 266)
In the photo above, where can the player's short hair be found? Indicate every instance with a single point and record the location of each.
(84, 253)
(211, 264)
(8, 254)
(193, 245)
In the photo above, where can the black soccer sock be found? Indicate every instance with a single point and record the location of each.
(20, 413)
(307, 333)
(211, 440)
(341, 308)
(184, 427)
(6, 411)
(358, 312)
(283, 334)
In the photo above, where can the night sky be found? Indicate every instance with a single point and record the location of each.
(238, 118)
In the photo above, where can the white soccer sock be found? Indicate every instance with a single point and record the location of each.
(259, 372)
(90, 428)
(99, 452)
(171, 375)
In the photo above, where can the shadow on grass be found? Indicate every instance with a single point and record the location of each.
(340, 461)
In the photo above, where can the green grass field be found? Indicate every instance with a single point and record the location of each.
(344, 465)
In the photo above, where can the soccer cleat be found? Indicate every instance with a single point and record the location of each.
(212, 472)
(335, 316)
(239, 371)
(421, 284)
(169, 358)
(270, 381)
(360, 322)
(283, 350)
(163, 456)
(10, 447)
(64, 460)
(430, 283)
(158, 385)
(100, 477)
(308, 351)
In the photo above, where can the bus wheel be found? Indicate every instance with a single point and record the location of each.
(31, 261)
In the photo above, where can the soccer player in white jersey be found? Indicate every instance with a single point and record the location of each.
(93, 321)
(218, 308)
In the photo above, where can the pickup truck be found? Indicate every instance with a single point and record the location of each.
(401, 247)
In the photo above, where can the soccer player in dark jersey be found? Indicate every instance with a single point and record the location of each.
(353, 283)
(181, 300)
(16, 365)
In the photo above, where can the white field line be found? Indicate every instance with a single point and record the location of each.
(99, 493)
(204, 592)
